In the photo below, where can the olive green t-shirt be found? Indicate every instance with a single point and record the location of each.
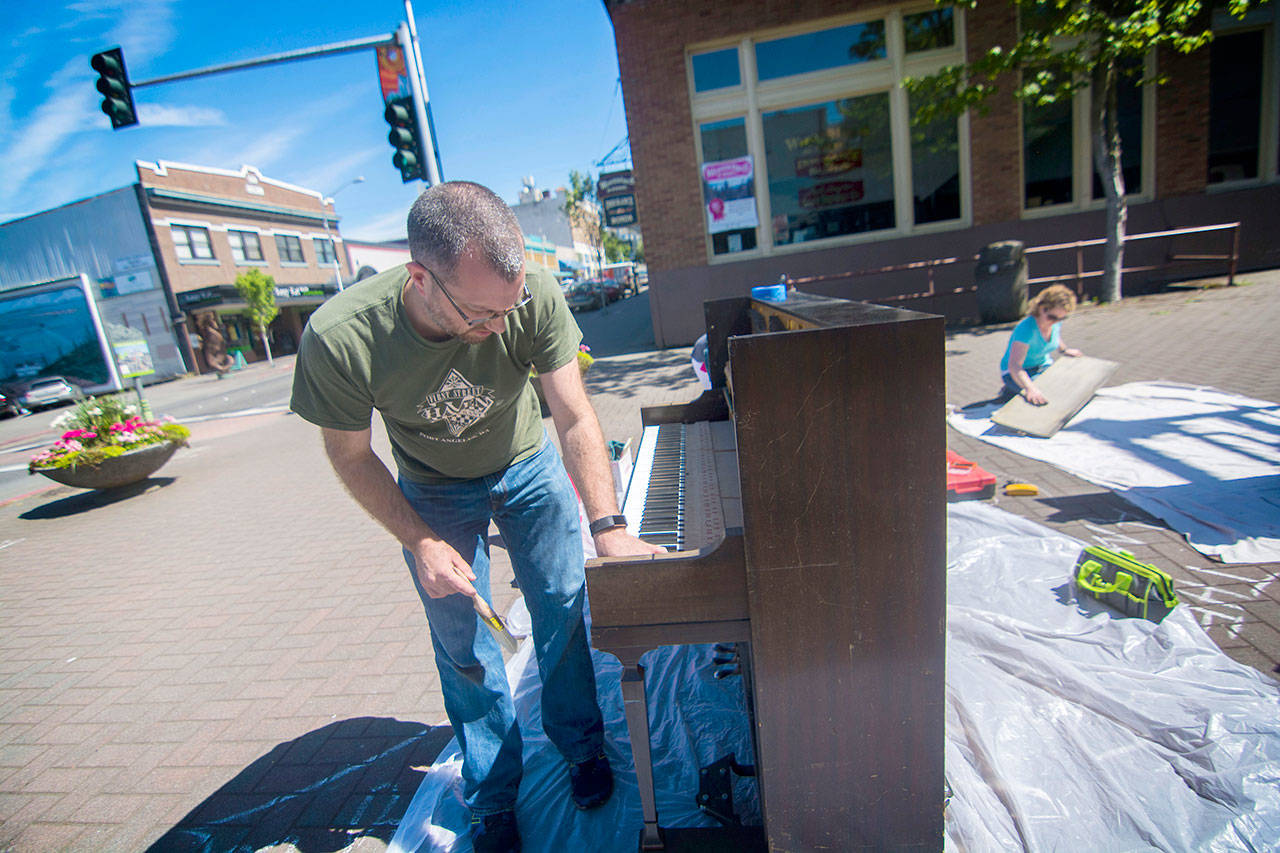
(452, 410)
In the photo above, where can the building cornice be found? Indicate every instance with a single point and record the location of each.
(157, 197)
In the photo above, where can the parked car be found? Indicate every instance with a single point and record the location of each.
(613, 290)
(44, 392)
(9, 406)
(585, 295)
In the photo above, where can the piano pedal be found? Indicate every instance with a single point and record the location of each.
(721, 660)
(728, 671)
(715, 789)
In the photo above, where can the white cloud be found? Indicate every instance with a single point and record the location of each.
(142, 28)
(160, 115)
(333, 175)
(269, 148)
(390, 226)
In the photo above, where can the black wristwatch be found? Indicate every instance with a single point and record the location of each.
(600, 525)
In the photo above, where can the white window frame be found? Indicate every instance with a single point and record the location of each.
(316, 240)
(297, 235)
(1267, 19)
(1082, 154)
(752, 98)
(245, 229)
(208, 229)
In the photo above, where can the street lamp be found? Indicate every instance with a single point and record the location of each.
(333, 245)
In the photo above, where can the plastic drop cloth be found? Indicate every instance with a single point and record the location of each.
(1203, 461)
(1068, 727)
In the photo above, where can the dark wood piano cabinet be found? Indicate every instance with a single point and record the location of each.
(837, 576)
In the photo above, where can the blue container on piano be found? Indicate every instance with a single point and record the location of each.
(770, 292)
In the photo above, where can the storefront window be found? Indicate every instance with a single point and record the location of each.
(935, 170)
(1235, 106)
(929, 30)
(816, 135)
(717, 69)
(728, 186)
(1047, 153)
(821, 50)
(830, 169)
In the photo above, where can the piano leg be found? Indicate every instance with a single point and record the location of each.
(637, 710)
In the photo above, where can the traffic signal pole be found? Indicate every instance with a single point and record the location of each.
(287, 56)
(115, 85)
(407, 35)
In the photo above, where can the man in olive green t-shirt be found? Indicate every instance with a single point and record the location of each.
(442, 348)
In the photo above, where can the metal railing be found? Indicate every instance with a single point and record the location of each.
(1078, 276)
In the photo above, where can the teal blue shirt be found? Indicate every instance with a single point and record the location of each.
(1039, 351)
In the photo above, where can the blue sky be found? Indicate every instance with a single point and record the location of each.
(517, 88)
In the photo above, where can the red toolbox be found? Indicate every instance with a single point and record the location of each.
(966, 481)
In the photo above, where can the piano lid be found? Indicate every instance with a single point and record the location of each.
(810, 311)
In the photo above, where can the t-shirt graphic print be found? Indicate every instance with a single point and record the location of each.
(458, 403)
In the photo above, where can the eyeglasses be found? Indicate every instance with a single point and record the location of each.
(1053, 318)
(525, 298)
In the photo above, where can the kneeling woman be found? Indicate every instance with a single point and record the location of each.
(1034, 341)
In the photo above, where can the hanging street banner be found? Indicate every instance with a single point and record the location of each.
(393, 76)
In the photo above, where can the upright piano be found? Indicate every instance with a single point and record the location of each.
(804, 499)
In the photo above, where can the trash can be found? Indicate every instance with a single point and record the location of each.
(1001, 277)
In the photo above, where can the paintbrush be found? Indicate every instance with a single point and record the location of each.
(495, 624)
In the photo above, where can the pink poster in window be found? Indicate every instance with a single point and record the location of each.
(728, 188)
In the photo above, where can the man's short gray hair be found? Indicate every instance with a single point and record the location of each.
(450, 217)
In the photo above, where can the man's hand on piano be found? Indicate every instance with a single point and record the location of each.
(617, 542)
(441, 569)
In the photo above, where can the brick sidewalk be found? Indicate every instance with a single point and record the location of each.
(233, 654)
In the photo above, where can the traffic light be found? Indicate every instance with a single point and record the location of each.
(404, 138)
(113, 83)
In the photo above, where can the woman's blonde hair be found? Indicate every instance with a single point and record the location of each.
(1057, 296)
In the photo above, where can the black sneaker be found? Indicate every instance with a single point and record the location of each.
(495, 833)
(592, 782)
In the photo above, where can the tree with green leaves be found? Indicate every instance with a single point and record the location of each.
(583, 209)
(1067, 46)
(259, 293)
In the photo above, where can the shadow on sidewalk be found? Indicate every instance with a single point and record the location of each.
(319, 792)
(85, 501)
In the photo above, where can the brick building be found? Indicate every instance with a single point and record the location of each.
(774, 139)
(209, 225)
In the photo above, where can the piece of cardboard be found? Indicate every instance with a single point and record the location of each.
(1068, 385)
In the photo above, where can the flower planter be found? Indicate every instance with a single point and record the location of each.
(129, 467)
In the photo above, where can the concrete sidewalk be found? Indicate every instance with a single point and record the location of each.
(231, 656)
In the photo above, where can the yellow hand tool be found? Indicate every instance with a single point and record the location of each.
(495, 624)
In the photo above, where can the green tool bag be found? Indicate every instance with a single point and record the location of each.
(1132, 587)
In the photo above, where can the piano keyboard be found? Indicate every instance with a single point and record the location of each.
(684, 485)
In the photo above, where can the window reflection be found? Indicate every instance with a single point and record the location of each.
(716, 70)
(830, 168)
(1047, 153)
(935, 170)
(1235, 106)
(928, 30)
(50, 332)
(721, 141)
(821, 50)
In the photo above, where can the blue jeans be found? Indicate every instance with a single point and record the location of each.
(536, 511)
(1012, 389)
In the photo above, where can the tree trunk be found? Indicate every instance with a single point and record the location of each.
(1107, 160)
(266, 344)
